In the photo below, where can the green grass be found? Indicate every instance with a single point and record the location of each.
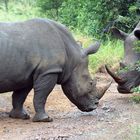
(136, 95)
(136, 98)
(110, 52)
(19, 11)
(135, 133)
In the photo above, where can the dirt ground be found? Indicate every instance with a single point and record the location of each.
(116, 118)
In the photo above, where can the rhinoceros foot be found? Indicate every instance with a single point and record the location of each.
(20, 114)
(42, 117)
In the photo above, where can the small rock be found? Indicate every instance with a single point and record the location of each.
(105, 108)
(101, 119)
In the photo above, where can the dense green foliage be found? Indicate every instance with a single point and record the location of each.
(96, 17)
(89, 17)
(51, 7)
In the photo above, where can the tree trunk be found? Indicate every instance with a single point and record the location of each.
(6, 5)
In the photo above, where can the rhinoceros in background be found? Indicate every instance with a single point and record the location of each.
(130, 78)
(39, 54)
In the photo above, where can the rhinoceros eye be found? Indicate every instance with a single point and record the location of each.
(91, 82)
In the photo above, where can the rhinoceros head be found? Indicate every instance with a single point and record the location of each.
(80, 87)
(130, 78)
(126, 80)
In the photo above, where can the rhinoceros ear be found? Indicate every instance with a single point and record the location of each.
(118, 33)
(137, 34)
(93, 48)
(79, 43)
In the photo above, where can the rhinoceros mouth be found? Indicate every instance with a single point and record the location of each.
(89, 108)
(124, 90)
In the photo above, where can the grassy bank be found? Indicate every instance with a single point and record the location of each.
(110, 52)
(19, 11)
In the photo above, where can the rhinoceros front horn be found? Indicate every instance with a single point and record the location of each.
(114, 76)
(102, 89)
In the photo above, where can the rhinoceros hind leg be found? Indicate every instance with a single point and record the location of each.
(43, 85)
(18, 99)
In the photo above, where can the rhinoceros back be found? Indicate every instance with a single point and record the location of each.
(26, 47)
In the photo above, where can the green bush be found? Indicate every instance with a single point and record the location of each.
(51, 7)
(136, 98)
(91, 17)
(94, 17)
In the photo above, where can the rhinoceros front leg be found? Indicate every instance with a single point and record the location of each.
(18, 99)
(42, 88)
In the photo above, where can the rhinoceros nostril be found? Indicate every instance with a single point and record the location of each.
(91, 82)
(97, 102)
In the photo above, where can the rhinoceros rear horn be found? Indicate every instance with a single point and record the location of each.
(102, 89)
(93, 48)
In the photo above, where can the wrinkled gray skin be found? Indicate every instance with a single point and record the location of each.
(39, 54)
(131, 78)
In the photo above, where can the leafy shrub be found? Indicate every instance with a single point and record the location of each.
(51, 7)
(94, 17)
(136, 98)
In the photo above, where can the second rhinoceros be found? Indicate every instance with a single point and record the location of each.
(38, 54)
(127, 80)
